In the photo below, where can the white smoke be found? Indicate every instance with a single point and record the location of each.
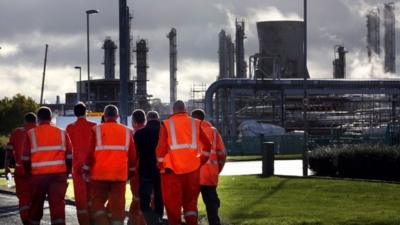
(270, 14)
(362, 7)
(254, 15)
(361, 68)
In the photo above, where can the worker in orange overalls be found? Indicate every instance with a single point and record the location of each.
(210, 171)
(110, 163)
(80, 132)
(15, 148)
(182, 148)
(135, 214)
(47, 156)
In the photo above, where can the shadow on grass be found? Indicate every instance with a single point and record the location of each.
(246, 207)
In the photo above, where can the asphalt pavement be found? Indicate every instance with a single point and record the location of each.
(9, 213)
(282, 167)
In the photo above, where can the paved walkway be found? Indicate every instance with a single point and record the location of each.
(282, 167)
(9, 213)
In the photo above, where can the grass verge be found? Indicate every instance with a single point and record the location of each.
(254, 200)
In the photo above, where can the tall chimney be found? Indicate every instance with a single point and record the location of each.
(390, 38)
(172, 65)
(141, 69)
(109, 58)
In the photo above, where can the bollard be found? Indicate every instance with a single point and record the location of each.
(268, 157)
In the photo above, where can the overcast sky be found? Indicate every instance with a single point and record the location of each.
(26, 25)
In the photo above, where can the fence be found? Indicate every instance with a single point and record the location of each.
(293, 143)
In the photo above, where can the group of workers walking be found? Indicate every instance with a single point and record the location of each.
(167, 163)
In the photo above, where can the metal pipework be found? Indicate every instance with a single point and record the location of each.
(295, 87)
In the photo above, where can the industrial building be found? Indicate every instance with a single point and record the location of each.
(103, 91)
(274, 90)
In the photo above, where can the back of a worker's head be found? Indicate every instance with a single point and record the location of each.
(139, 116)
(198, 114)
(80, 109)
(44, 114)
(30, 117)
(110, 113)
(152, 115)
(179, 106)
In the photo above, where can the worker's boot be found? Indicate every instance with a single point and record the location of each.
(116, 222)
(152, 218)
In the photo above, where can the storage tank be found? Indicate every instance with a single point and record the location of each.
(281, 49)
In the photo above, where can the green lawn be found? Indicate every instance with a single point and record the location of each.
(254, 200)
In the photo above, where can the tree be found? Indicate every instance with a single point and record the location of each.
(12, 111)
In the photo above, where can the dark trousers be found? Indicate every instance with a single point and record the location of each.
(147, 186)
(211, 200)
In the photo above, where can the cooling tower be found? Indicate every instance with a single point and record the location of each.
(281, 49)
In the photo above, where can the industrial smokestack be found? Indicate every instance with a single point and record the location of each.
(226, 56)
(141, 69)
(339, 64)
(240, 62)
(172, 64)
(390, 38)
(373, 33)
(109, 58)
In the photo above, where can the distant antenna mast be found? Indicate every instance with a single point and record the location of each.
(44, 74)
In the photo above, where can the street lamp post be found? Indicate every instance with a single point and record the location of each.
(88, 12)
(305, 100)
(80, 82)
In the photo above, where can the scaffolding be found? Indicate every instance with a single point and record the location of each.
(197, 94)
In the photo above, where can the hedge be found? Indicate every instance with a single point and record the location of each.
(357, 161)
(3, 143)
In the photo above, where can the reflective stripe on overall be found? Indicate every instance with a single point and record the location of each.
(48, 158)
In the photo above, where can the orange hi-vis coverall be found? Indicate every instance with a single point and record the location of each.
(15, 147)
(209, 174)
(111, 161)
(135, 214)
(47, 156)
(182, 148)
(79, 133)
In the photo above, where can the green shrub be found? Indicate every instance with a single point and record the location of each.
(3, 143)
(323, 161)
(357, 161)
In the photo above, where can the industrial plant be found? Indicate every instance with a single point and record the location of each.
(277, 89)
(273, 86)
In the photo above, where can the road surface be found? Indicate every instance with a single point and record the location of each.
(282, 167)
(9, 212)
